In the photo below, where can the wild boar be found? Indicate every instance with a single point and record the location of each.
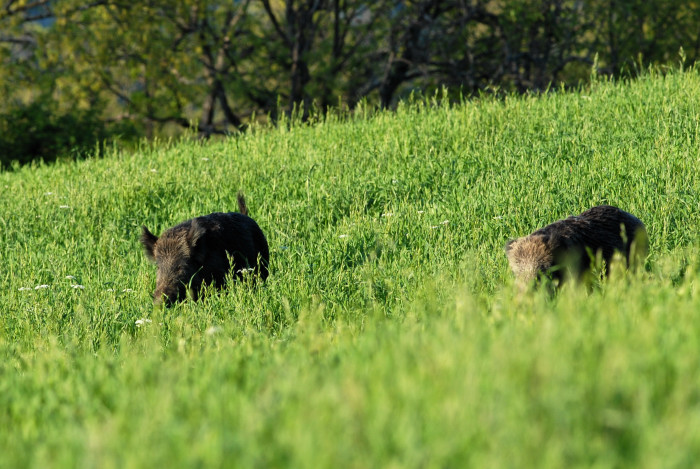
(202, 250)
(566, 248)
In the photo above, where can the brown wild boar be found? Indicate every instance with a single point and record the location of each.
(567, 247)
(196, 252)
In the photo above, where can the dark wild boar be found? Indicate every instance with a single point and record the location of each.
(566, 248)
(197, 252)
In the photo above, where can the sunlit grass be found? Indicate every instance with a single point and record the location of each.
(389, 333)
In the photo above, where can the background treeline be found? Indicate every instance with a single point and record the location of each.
(75, 72)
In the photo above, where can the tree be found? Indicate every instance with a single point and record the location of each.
(161, 62)
(159, 66)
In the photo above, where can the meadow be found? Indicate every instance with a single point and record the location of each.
(390, 332)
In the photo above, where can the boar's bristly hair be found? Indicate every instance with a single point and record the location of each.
(568, 247)
(203, 250)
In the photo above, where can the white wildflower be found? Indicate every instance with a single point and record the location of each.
(499, 217)
(343, 236)
(421, 211)
(41, 287)
(70, 277)
(127, 290)
(64, 206)
(245, 270)
(48, 193)
(153, 170)
(24, 288)
(387, 214)
(142, 321)
(205, 159)
(78, 287)
(444, 222)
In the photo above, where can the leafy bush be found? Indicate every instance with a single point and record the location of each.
(38, 132)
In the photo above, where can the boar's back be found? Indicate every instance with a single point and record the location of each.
(233, 234)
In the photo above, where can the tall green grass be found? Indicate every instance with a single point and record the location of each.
(389, 333)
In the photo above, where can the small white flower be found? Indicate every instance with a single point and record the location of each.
(421, 211)
(70, 277)
(64, 206)
(387, 214)
(499, 217)
(343, 236)
(110, 289)
(154, 170)
(245, 270)
(205, 159)
(394, 181)
(127, 290)
(48, 193)
(444, 222)
(434, 226)
(24, 288)
(41, 287)
(142, 321)
(213, 330)
(78, 287)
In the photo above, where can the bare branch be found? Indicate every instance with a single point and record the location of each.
(275, 23)
(24, 40)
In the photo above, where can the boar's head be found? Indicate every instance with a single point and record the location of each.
(178, 256)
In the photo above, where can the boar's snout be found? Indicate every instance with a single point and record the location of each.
(172, 287)
(168, 297)
(163, 299)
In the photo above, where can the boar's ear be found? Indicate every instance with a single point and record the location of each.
(196, 233)
(148, 240)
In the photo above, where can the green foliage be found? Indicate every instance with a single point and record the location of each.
(389, 332)
(35, 132)
(166, 66)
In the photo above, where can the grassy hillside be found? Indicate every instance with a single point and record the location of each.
(389, 333)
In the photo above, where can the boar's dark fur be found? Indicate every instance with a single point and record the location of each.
(197, 252)
(566, 248)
